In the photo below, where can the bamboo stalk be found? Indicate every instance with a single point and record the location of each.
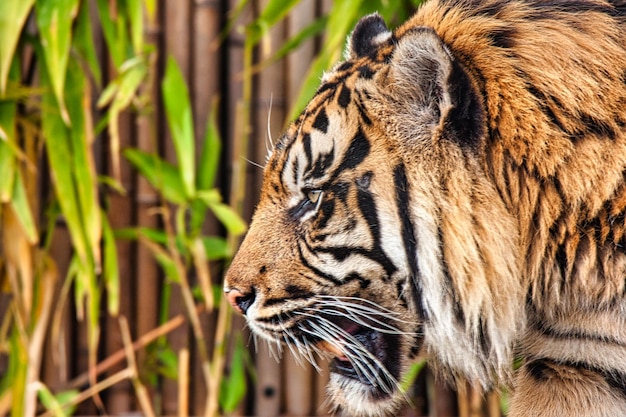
(143, 341)
(183, 383)
(47, 278)
(140, 389)
(114, 379)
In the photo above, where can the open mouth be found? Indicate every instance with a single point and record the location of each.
(364, 354)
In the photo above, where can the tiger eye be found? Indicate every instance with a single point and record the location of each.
(314, 196)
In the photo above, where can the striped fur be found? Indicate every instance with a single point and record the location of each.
(455, 187)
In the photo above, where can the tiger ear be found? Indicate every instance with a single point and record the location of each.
(367, 36)
(426, 81)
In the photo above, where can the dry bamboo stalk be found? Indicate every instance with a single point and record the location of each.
(183, 383)
(140, 389)
(143, 341)
(47, 281)
(217, 364)
(114, 379)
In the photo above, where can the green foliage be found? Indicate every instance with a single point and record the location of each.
(234, 385)
(13, 15)
(59, 100)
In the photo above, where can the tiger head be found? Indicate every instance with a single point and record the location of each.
(378, 235)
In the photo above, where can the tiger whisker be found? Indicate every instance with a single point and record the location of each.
(294, 346)
(269, 149)
(330, 337)
(303, 350)
(360, 357)
(364, 320)
(360, 303)
(253, 163)
(361, 308)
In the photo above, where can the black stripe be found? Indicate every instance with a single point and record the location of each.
(344, 96)
(316, 271)
(572, 335)
(306, 144)
(322, 163)
(409, 239)
(356, 154)
(321, 121)
(362, 110)
(289, 297)
(542, 369)
(368, 209)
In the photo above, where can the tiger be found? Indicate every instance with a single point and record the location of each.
(455, 190)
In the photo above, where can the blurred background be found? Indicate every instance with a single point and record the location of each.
(132, 139)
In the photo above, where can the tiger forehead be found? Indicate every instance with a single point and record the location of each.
(335, 91)
(343, 86)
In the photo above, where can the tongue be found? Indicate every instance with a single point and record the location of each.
(332, 349)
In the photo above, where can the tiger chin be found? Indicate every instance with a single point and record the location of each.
(455, 188)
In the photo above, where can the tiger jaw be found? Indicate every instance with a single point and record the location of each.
(366, 357)
(363, 340)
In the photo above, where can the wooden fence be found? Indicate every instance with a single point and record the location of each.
(187, 30)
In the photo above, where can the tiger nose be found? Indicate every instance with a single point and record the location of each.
(239, 300)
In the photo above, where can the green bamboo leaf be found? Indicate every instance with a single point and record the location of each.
(216, 248)
(110, 271)
(317, 27)
(56, 403)
(151, 8)
(167, 362)
(163, 176)
(67, 397)
(13, 15)
(22, 210)
(94, 296)
(311, 83)
(80, 287)
(168, 265)
(87, 296)
(134, 10)
(235, 384)
(121, 90)
(108, 94)
(342, 18)
(16, 372)
(197, 217)
(208, 164)
(54, 21)
(229, 218)
(134, 233)
(409, 377)
(116, 42)
(273, 12)
(209, 197)
(8, 110)
(83, 41)
(59, 150)
(179, 117)
(83, 168)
